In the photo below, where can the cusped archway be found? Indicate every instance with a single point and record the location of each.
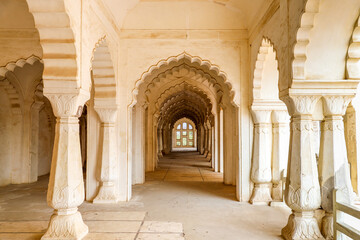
(184, 86)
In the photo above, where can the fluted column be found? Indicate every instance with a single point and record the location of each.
(280, 151)
(66, 184)
(302, 193)
(261, 163)
(108, 192)
(333, 162)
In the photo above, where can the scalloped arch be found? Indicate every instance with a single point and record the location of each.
(176, 88)
(13, 89)
(303, 39)
(353, 57)
(185, 119)
(57, 41)
(103, 73)
(265, 48)
(211, 69)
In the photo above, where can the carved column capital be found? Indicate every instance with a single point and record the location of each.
(336, 105)
(281, 116)
(68, 104)
(261, 116)
(301, 104)
(107, 115)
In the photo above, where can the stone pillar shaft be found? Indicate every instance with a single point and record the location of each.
(302, 193)
(261, 164)
(108, 192)
(280, 152)
(334, 170)
(66, 184)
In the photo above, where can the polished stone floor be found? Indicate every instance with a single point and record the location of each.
(182, 199)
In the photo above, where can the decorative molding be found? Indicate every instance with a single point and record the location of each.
(336, 105)
(301, 199)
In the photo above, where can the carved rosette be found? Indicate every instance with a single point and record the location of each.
(333, 159)
(108, 176)
(302, 192)
(261, 165)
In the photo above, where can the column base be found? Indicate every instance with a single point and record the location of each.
(277, 192)
(261, 195)
(64, 226)
(300, 226)
(327, 228)
(107, 194)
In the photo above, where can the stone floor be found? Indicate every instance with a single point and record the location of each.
(24, 215)
(183, 199)
(183, 167)
(184, 189)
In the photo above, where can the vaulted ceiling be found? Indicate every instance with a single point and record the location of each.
(186, 14)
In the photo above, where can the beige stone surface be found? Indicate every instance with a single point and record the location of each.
(161, 227)
(143, 66)
(157, 236)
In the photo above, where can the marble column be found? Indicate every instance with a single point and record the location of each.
(139, 145)
(302, 192)
(261, 162)
(34, 140)
(217, 142)
(333, 162)
(160, 148)
(280, 152)
(206, 150)
(209, 154)
(351, 121)
(66, 184)
(108, 176)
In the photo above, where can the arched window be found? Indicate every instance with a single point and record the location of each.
(184, 135)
